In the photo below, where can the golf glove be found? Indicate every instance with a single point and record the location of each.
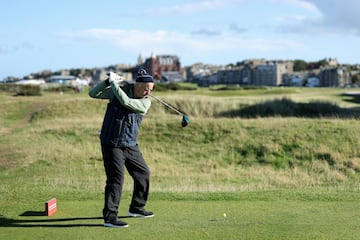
(114, 77)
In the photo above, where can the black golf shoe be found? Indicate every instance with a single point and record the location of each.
(113, 221)
(140, 213)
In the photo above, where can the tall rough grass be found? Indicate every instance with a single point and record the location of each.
(60, 148)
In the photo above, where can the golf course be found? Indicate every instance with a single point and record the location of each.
(253, 163)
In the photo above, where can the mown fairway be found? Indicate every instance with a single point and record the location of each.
(284, 175)
(271, 216)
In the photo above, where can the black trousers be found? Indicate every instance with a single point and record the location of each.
(114, 161)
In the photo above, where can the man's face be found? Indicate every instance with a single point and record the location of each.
(143, 89)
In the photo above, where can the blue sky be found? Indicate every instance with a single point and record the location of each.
(51, 35)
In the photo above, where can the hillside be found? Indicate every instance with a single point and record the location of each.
(220, 150)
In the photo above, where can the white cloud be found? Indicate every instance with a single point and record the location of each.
(135, 41)
(341, 14)
(331, 17)
(206, 32)
(292, 18)
(193, 7)
(302, 4)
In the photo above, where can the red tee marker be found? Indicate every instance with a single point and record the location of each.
(50, 207)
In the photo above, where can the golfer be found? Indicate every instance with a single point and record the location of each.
(125, 110)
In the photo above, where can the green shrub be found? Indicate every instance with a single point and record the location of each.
(161, 87)
(8, 87)
(287, 108)
(60, 88)
(28, 90)
(21, 90)
(235, 87)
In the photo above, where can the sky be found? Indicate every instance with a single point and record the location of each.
(52, 35)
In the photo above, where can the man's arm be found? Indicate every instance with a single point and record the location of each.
(102, 91)
(137, 105)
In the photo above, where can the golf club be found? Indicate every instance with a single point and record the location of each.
(185, 119)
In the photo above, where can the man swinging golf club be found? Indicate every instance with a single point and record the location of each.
(125, 110)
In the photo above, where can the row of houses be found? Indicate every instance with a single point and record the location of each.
(256, 72)
(260, 72)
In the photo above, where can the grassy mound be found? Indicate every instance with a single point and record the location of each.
(218, 151)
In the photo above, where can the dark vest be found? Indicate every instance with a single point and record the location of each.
(120, 126)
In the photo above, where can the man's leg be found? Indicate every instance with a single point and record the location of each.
(114, 169)
(140, 173)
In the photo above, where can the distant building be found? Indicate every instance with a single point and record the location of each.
(98, 75)
(271, 74)
(246, 75)
(199, 73)
(313, 82)
(61, 79)
(265, 75)
(229, 76)
(67, 80)
(332, 62)
(334, 77)
(297, 81)
(31, 82)
(164, 68)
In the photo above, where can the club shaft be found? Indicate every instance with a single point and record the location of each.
(167, 105)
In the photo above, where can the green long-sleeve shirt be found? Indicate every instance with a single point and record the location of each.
(102, 91)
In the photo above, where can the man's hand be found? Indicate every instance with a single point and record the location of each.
(114, 77)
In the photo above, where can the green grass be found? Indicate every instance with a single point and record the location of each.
(275, 177)
(259, 215)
